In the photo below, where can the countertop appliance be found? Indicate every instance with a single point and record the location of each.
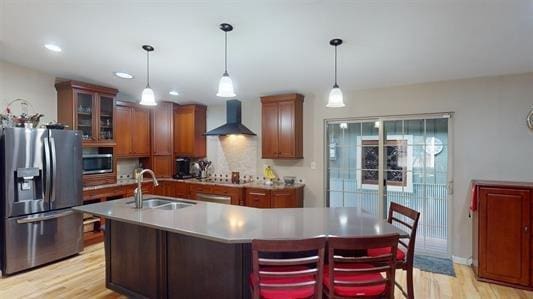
(97, 163)
(224, 199)
(41, 180)
(183, 168)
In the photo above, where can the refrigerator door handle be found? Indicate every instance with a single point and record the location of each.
(54, 162)
(44, 218)
(47, 168)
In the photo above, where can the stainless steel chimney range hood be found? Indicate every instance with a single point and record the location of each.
(233, 123)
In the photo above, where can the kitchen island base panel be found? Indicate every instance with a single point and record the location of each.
(144, 262)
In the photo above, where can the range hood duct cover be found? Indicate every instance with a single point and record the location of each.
(233, 121)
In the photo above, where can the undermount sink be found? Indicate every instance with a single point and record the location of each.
(163, 204)
(175, 206)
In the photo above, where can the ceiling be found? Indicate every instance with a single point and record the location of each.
(276, 46)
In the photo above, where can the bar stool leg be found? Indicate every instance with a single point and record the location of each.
(410, 288)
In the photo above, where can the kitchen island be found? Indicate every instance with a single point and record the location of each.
(192, 249)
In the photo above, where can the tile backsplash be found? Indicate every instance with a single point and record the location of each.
(125, 168)
(233, 153)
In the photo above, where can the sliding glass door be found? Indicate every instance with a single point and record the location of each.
(347, 169)
(373, 162)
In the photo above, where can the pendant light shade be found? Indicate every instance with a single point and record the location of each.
(148, 97)
(225, 86)
(335, 99)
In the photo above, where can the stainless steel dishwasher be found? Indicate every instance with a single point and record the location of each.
(224, 199)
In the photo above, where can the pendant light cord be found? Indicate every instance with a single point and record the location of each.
(335, 67)
(147, 69)
(225, 52)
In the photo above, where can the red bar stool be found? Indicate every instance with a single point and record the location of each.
(406, 219)
(355, 277)
(275, 276)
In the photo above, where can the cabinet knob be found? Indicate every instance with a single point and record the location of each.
(526, 228)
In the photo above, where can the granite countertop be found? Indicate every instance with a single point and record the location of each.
(237, 224)
(126, 182)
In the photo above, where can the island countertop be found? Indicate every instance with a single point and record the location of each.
(237, 224)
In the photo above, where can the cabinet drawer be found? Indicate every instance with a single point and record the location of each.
(226, 190)
(257, 198)
(104, 193)
(194, 188)
(283, 198)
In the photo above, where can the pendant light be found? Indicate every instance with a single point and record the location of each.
(225, 86)
(148, 97)
(335, 95)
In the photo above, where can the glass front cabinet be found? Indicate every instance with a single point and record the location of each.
(89, 109)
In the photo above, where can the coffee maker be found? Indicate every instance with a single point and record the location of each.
(183, 168)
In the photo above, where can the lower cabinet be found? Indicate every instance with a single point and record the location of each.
(143, 262)
(286, 198)
(134, 265)
(502, 239)
(274, 198)
(172, 189)
(257, 198)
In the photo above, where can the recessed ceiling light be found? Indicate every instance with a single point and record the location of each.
(123, 75)
(173, 93)
(53, 48)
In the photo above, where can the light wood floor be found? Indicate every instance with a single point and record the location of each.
(83, 277)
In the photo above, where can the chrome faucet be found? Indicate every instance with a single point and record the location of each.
(138, 192)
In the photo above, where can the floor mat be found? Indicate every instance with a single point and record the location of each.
(434, 264)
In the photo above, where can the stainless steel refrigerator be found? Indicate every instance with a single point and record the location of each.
(41, 180)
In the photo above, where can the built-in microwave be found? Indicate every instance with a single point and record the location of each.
(97, 163)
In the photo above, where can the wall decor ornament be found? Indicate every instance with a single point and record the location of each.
(530, 119)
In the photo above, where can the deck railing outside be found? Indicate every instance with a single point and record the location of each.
(428, 199)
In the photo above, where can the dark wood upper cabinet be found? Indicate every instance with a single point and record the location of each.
(123, 139)
(502, 239)
(189, 130)
(140, 132)
(88, 108)
(282, 126)
(133, 130)
(162, 162)
(162, 129)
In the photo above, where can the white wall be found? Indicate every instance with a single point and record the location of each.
(24, 83)
(491, 139)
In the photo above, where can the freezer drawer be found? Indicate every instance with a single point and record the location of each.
(42, 238)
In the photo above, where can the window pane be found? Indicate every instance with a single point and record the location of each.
(393, 129)
(414, 131)
(369, 129)
(438, 128)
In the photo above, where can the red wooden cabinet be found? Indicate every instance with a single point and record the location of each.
(189, 130)
(162, 161)
(257, 198)
(88, 108)
(282, 126)
(502, 238)
(133, 130)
